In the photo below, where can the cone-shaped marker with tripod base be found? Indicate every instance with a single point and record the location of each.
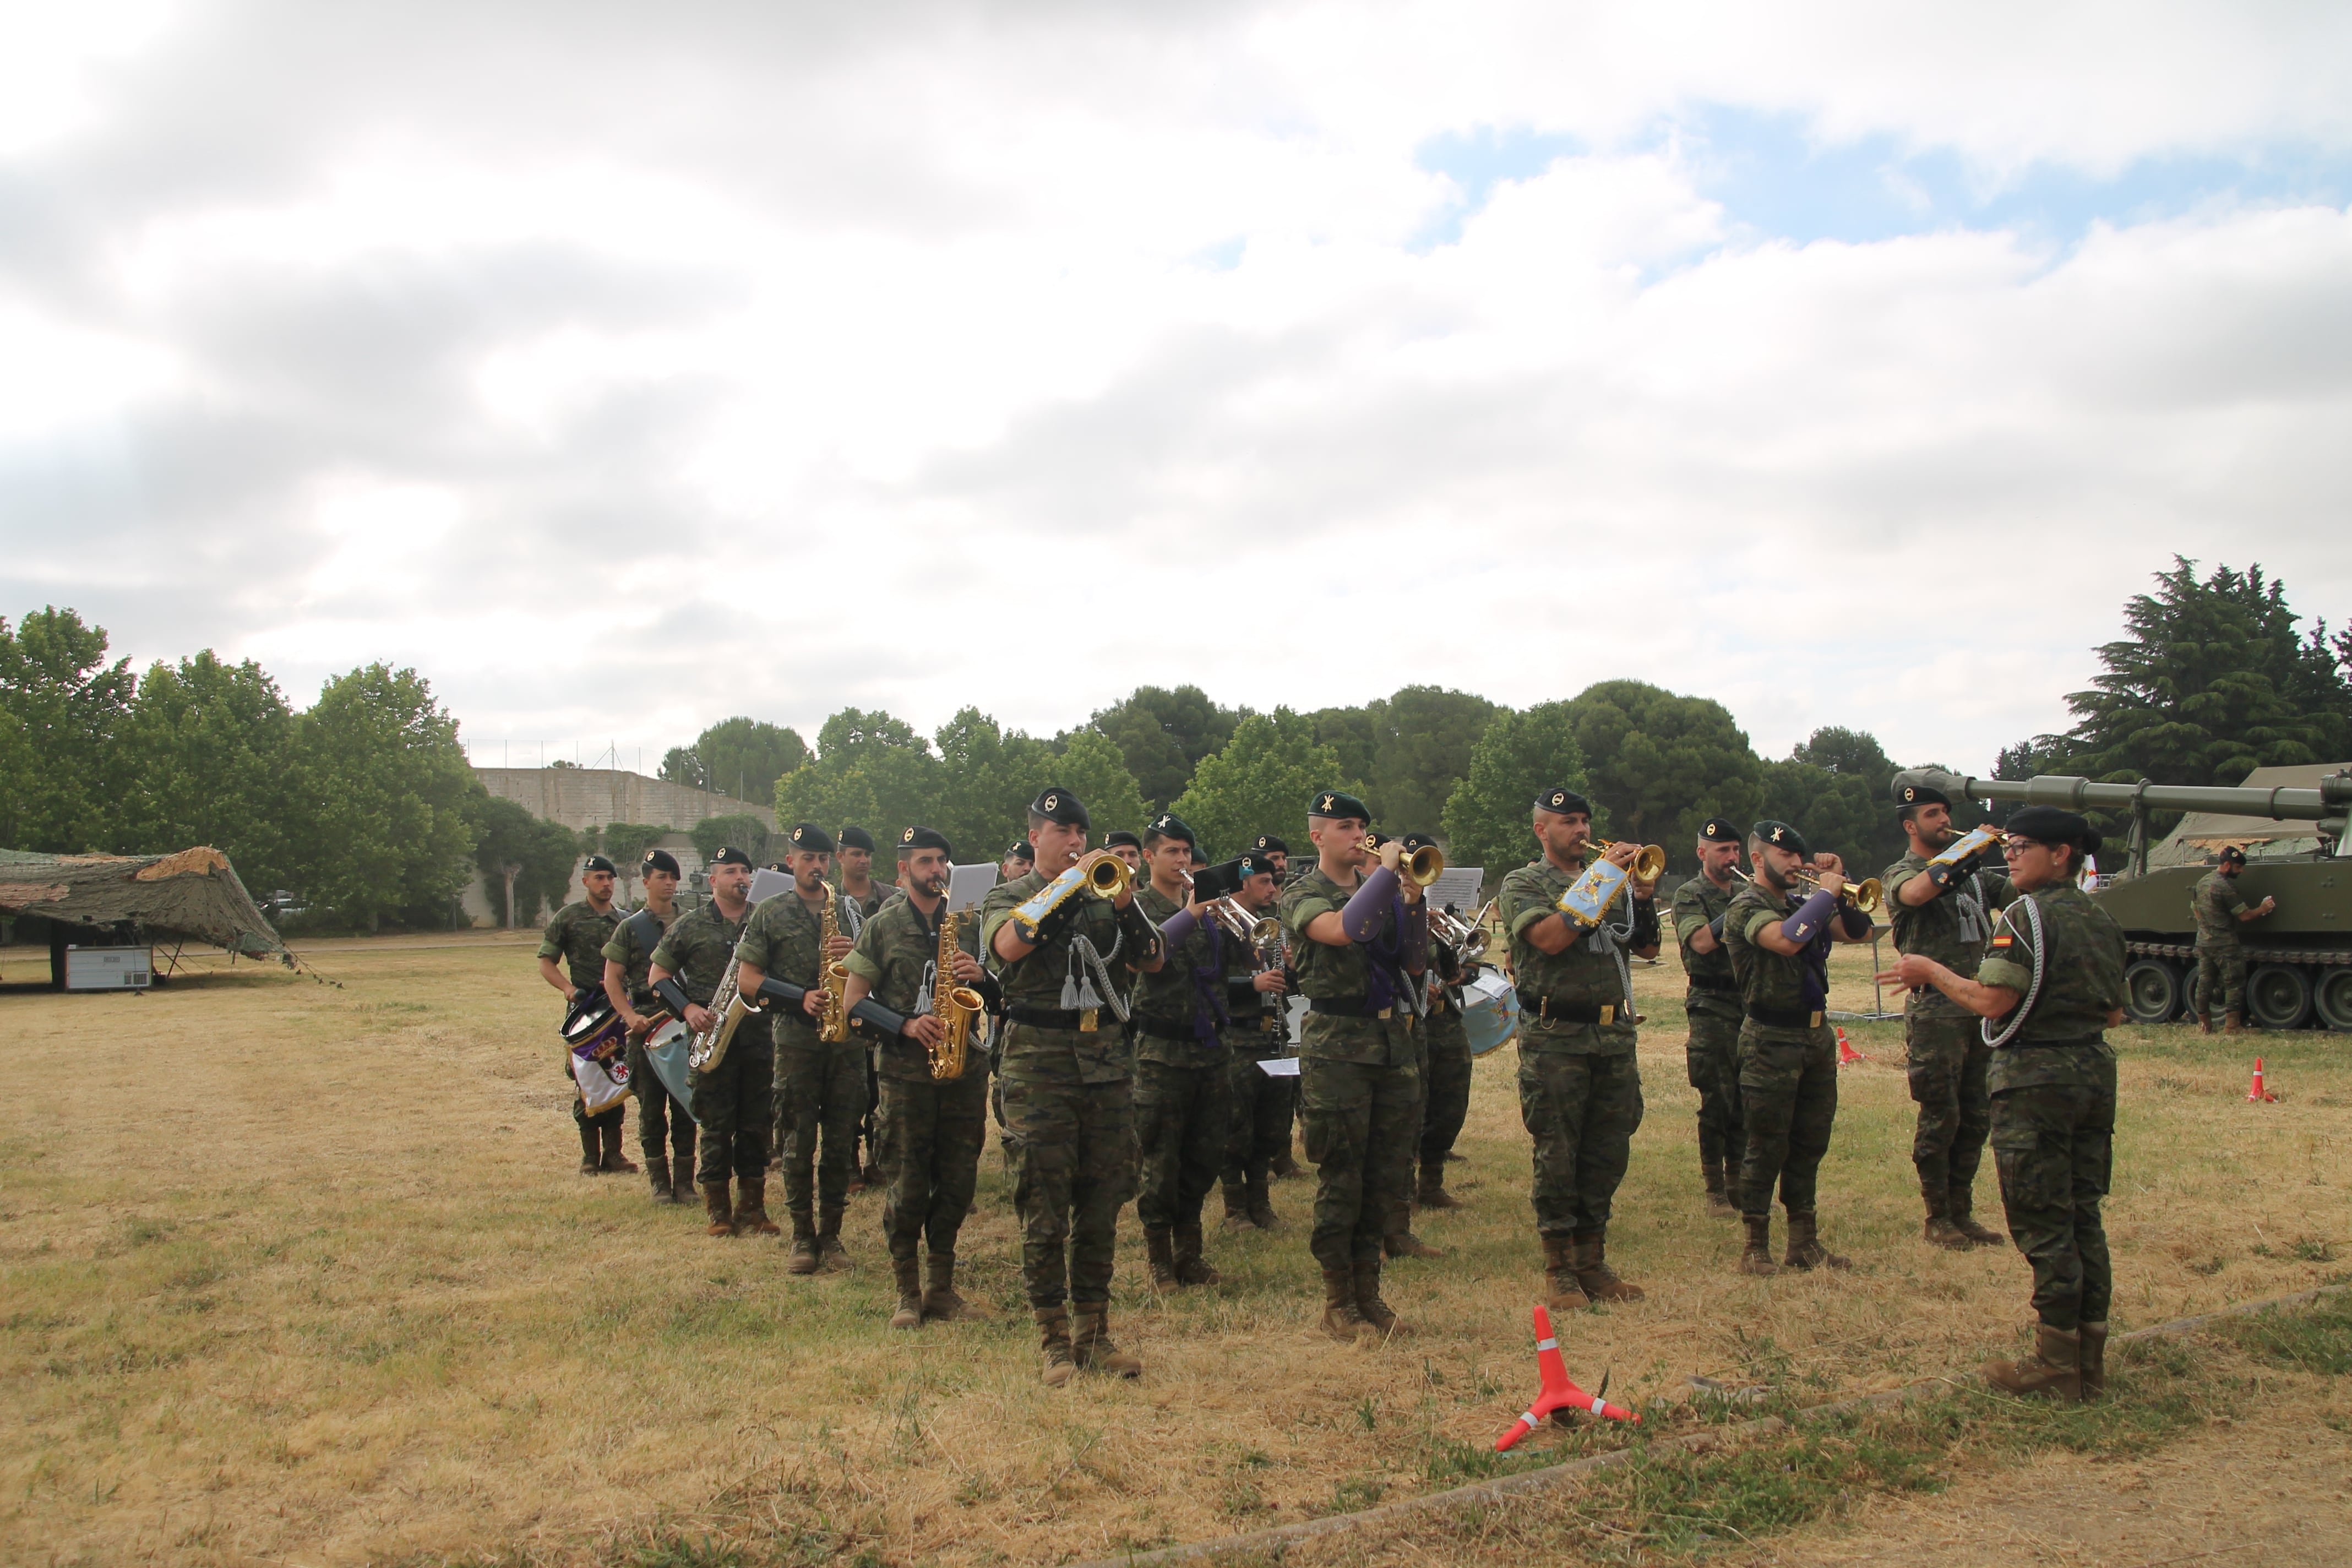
(1559, 1393)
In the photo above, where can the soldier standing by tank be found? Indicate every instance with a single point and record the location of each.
(1359, 943)
(2221, 910)
(731, 1099)
(1183, 1100)
(1945, 912)
(577, 935)
(1711, 1007)
(2054, 978)
(665, 1127)
(1445, 1086)
(1070, 1083)
(1260, 1115)
(1788, 1053)
(1579, 1085)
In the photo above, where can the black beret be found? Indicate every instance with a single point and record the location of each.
(2050, 824)
(1255, 863)
(1058, 805)
(1168, 825)
(1118, 835)
(597, 863)
(1562, 800)
(1021, 850)
(2232, 852)
(857, 838)
(1414, 841)
(659, 860)
(730, 855)
(1910, 790)
(808, 837)
(916, 839)
(1718, 830)
(1339, 803)
(1374, 838)
(1781, 836)
(1271, 845)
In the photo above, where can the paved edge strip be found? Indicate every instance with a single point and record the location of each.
(1560, 1475)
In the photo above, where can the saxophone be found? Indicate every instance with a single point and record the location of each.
(833, 1023)
(708, 1048)
(957, 1007)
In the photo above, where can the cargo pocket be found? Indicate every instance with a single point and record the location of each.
(2034, 1171)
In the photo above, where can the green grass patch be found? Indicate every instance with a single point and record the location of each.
(2317, 1339)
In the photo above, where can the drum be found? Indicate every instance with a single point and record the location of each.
(1490, 1012)
(665, 1047)
(594, 1023)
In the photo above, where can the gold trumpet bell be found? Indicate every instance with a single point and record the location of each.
(1649, 861)
(1867, 895)
(1108, 877)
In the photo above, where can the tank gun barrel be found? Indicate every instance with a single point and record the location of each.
(2332, 798)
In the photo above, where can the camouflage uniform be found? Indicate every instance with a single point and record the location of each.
(2053, 1098)
(1787, 1059)
(1069, 1099)
(1359, 1081)
(577, 936)
(1183, 1102)
(731, 1101)
(933, 1128)
(663, 1122)
(1258, 1117)
(1445, 1089)
(1711, 1006)
(1579, 1085)
(2220, 956)
(1948, 1053)
(825, 1081)
(877, 894)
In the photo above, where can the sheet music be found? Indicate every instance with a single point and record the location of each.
(967, 885)
(1279, 1067)
(1456, 885)
(767, 884)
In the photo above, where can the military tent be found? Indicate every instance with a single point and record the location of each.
(193, 894)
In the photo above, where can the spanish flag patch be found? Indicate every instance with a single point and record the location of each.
(2003, 939)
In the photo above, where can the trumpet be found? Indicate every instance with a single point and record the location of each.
(1865, 895)
(1256, 931)
(1649, 861)
(1108, 877)
(1421, 868)
(1469, 938)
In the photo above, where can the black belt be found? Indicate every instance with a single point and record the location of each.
(1777, 1018)
(1544, 1010)
(1043, 1017)
(1186, 1038)
(1727, 987)
(1339, 1009)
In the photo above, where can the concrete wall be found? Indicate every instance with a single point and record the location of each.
(582, 798)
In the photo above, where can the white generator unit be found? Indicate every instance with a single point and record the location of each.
(110, 968)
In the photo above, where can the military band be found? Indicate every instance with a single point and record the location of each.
(571, 960)
(1711, 1008)
(731, 1095)
(664, 1122)
(1259, 1103)
(1183, 1093)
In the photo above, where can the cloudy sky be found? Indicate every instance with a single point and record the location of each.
(623, 367)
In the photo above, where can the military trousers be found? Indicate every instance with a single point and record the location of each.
(2221, 977)
(1257, 1120)
(1360, 1124)
(827, 1083)
(1711, 1061)
(1074, 1167)
(1183, 1117)
(1445, 1087)
(1787, 1094)
(2054, 1148)
(1581, 1110)
(934, 1131)
(665, 1125)
(731, 1102)
(1948, 1059)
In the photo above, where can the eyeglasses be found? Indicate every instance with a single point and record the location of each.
(2010, 848)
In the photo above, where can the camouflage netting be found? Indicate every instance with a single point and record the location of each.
(193, 893)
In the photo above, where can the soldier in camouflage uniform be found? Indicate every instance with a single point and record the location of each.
(1711, 1006)
(1437, 1031)
(2220, 908)
(1285, 1166)
(1944, 912)
(1260, 1120)
(732, 1096)
(577, 936)
(933, 1127)
(1070, 1083)
(1358, 941)
(1183, 1103)
(1788, 1053)
(824, 1079)
(2053, 1090)
(1018, 862)
(663, 1122)
(1579, 1086)
(854, 858)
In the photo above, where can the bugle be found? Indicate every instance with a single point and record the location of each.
(1469, 938)
(1108, 877)
(1649, 859)
(1421, 868)
(1865, 895)
(1255, 930)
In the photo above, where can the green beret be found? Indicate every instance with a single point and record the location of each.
(1781, 836)
(1168, 825)
(1338, 803)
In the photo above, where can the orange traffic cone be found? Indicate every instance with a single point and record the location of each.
(2257, 1095)
(1847, 1055)
(1559, 1393)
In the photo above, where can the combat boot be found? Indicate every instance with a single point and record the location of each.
(1939, 1229)
(722, 1211)
(1260, 1203)
(753, 1214)
(801, 1252)
(909, 1273)
(1377, 1314)
(1192, 1268)
(2091, 1357)
(592, 1158)
(1561, 1292)
(1718, 1202)
(1237, 1217)
(2204, 1023)
(2234, 1023)
(1054, 1340)
(1404, 1244)
(1756, 1256)
(681, 1164)
(657, 1172)
(1805, 1248)
(1964, 1219)
(830, 1254)
(2054, 1368)
(941, 1303)
(1433, 1193)
(1091, 1344)
(1159, 1254)
(1285, 1167)
(1594, 1277)
(616, 1162)
(1340, 1319)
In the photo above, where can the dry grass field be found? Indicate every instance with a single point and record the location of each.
(304, 1274)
